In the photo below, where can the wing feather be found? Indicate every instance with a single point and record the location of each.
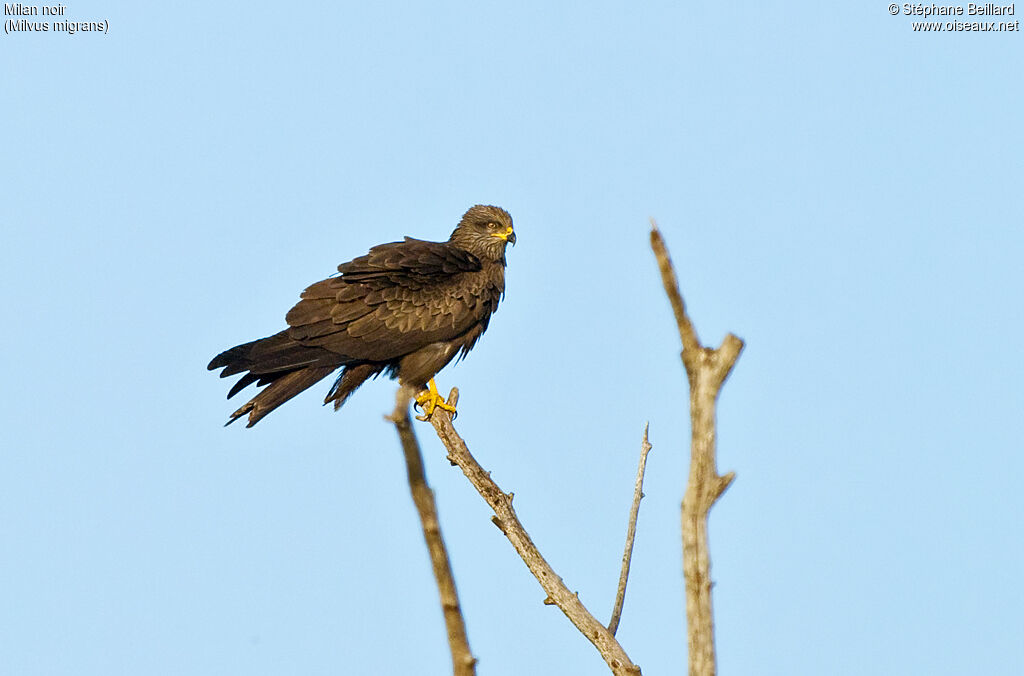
(396, 299)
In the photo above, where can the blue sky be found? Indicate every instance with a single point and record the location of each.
(838, 190)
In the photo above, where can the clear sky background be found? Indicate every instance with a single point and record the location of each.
(836, 189)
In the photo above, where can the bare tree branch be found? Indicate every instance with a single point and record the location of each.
(505, 519)
(706, 370)
(668, 279)
(463, 662)
(627, 555)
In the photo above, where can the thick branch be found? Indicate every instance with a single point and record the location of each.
(505, 519)
(627, 555)
(706, 370)
(463, 662)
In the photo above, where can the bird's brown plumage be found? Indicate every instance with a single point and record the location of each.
(405, 308)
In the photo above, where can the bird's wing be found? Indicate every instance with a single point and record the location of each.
(412, 264)
(396, 299)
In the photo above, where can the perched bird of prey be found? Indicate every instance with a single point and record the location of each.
(405, 309)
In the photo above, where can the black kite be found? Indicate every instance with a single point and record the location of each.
(405, 309)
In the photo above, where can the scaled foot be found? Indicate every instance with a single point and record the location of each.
(429, 399)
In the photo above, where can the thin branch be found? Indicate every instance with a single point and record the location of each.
(463, 662)
(505, 519)
(668, 279)
(638, 494)
(706, 370)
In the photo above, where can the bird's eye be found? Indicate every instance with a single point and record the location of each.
(492, 226)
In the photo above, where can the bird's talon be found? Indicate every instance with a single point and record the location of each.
(429, 399)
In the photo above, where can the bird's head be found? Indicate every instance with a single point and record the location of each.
(484, 231)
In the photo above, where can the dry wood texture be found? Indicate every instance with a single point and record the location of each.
(706, 370)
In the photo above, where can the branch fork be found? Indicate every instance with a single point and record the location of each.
(507, 520)
(706, 370)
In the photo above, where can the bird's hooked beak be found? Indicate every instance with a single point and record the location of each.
(509, 235)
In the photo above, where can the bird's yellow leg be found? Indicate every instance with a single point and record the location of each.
(429, 399)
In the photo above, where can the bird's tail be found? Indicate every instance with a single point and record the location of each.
(279, 391)
(283, 365)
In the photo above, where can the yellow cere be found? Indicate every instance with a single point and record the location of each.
(504, 235)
